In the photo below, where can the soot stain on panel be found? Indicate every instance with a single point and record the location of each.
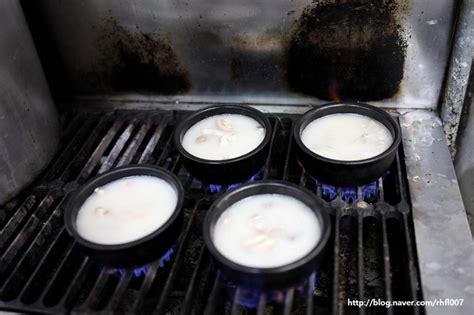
(352, 50)
(135, 61)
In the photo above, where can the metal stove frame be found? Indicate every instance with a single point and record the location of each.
(444, 242)
(444, 270)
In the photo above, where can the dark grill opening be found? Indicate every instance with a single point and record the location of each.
(371, 252)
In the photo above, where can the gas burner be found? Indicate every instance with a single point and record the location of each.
(211, 188)
(369, 192)
(250, 297)
(137, 272)
(143, 270)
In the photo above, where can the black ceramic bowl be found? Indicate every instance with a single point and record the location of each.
(346, 173)
(224, 172)
(275, 277)
(138, 252)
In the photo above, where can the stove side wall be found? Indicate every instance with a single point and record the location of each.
(464, 161)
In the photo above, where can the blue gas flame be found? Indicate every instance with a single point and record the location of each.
(249, 297)
(369, 191)
(349, 194)
(143, 270)
(328, 192)
(218, 188)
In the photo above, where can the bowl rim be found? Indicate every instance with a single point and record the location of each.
(72, 206)
(214, 110)
(292, 190)
(307, 118)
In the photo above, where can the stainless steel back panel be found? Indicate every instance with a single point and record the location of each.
(236, 50)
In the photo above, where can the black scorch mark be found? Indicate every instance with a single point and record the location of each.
(135, 61)
(351, 50)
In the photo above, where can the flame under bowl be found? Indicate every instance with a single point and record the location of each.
(275, 277)
(346, 173)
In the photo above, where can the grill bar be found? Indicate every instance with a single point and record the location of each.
(262, 301)
(190, 293)
(39, 267)
(84, 147)
(99, 151)
(72, 291)
(132, 149)
(56, 275)
(94, 295)
(18, 216)
(364, 261)
(151, 145)
(411, 263)
(146, 285)
(119, 291)
(64, 161)
(176, 266)
(23, 262)
(286, 170)
(212, 300)
(309, 296)
(386, 269)
(117, 148)
(290, 293)
(235, 303)
(360, 260)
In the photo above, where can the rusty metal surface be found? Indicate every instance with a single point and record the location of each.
(29, 128)
(246, 50)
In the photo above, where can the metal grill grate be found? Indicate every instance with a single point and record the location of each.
(372, 253)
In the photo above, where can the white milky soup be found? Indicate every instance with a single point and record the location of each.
(267, 230)
(223, 137)
(126, 210)
(346, 137)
